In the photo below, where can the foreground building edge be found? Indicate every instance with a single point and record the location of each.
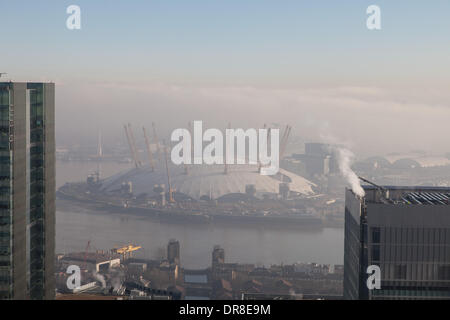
(28, 195)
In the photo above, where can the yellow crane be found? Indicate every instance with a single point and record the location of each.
(126, 251)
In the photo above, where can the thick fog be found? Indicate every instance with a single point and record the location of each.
(369, 120)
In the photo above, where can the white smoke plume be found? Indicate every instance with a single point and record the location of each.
(100, 278)
(345, 159)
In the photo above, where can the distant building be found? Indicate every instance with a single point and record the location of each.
(312, 268)
(318, 159)
(173, 252)
(406, 232)
(27, 183)
(218, 256)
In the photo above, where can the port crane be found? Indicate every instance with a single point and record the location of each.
(133, 155)
(133, 141)
(149, 151)
(132, 144)
(155, 136)
(284, 140)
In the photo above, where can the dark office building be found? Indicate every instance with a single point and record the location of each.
(173, 252)
(406, 232)
(27, 184)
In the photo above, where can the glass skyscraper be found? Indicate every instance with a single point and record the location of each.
(27, 190)
(405, 231)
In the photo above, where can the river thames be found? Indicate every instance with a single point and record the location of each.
(77, 224)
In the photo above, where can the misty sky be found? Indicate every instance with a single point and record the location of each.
(312, 64)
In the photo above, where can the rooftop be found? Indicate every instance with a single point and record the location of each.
(426, 198)
(415, 195)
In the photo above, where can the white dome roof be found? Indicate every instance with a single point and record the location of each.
(205, 180)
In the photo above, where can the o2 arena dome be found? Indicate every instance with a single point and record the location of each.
(206, 181)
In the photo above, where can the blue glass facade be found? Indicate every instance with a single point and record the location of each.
(5, 193)
(27, 190)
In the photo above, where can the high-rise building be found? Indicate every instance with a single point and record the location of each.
(319, 159)
(27, 184)
(173, 252)
(405, 231)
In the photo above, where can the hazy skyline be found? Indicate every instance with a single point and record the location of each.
(312, 64)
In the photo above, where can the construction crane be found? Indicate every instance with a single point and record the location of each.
(131, 146)
(126, 251)
(171, 200)
(283, 137)
(149, 151)
(133, 141)
(284, 140)
(155, 136)
(186, 168)
(86, 250)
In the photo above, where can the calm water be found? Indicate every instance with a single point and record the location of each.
(76, 225)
